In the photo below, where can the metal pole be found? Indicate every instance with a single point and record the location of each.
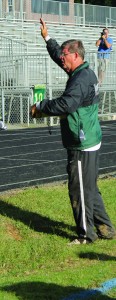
(50, 86)
(21, 109)
(13, 9)
(60, 12)
(110, 16)
(84, 13)
(3, 106)
(0, 8)
(21, 10)
(41, 8)
(28, 109)
(96, 64)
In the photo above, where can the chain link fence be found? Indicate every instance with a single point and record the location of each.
(15, 107)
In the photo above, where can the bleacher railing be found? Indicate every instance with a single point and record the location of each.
(10, 46)
(23, 69)
(110, 22)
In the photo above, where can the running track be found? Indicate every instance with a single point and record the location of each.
(32, 157)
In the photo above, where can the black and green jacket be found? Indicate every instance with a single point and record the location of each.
(77, 107)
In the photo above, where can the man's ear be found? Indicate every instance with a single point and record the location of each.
(76, 55)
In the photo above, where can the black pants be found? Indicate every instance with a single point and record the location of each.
(87, 204)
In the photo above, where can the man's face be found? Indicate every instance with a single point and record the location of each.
(67, 59)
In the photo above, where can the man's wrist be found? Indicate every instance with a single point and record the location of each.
(38, 105)
(47, 38)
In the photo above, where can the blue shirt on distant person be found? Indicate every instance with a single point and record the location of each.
(103, 51)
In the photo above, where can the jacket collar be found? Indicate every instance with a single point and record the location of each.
(83, 66)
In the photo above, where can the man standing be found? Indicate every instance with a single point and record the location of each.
(81, 136)
(104, 44)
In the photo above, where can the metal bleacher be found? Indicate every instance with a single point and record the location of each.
(24, 38)
(24, 60)
(29, 33)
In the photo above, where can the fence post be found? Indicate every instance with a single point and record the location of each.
(106, 22)
(96, 68)
(50, 86)
(13, 9)
(83, 13)
(10, 107)
(28, 105)
(60, 13)
(50, 79)
(21, 9)
(3, 107)
(0, 9)
(110, 15)
(25, 70)
(41, 8)
(21, 109)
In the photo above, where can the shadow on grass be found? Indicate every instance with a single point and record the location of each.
(35, 221)
(45, 291)
(97, 256)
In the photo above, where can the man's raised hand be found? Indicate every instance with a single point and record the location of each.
(44, 31)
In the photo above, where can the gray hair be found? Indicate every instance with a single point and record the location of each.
(74, 46)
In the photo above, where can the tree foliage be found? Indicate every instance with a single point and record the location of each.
(99, 2)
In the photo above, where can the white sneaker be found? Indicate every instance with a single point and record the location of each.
(2, 126)
(78, 242)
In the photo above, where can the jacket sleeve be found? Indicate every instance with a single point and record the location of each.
(54, 51)
(70, 100)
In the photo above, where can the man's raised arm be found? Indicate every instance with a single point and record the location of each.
(53, 47)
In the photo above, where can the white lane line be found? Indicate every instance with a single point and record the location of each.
(10, 147)
(37, 132)
(107, 153)
(107, 167)
(108, 134)
(37, 163)
(32, 180)
(28, 138)
(30, 153)
(104, 143)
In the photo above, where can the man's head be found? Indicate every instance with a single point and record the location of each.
(72, 54)
(105, 32)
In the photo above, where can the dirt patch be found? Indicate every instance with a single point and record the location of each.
(13, 232)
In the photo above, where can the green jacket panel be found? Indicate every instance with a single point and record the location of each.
(81, 129)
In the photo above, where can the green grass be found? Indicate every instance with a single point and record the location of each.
(35, 261)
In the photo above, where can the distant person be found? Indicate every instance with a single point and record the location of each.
(104, 44)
